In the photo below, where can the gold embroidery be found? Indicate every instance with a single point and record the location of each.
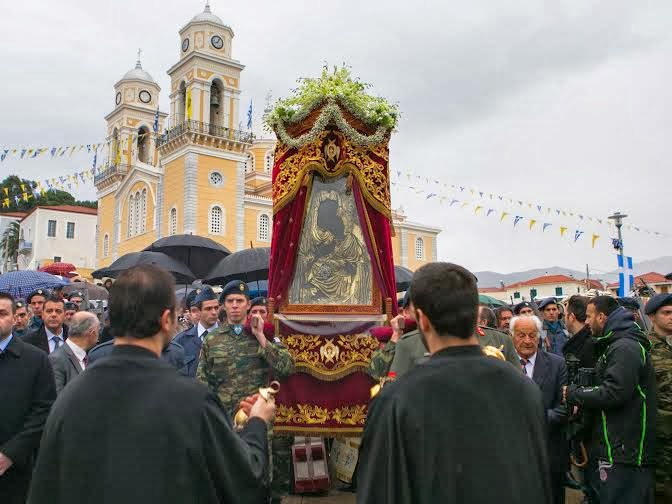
(311, 414)
(350, 415)
(329, 352)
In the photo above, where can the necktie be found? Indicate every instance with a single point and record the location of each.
(204, 334)
(57, 342)
(523, 362)
(85, 360)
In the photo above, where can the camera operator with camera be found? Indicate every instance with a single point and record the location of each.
(622, 403)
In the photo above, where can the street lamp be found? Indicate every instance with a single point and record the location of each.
(618, 221)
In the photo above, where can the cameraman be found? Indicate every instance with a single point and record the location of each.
(623, 402)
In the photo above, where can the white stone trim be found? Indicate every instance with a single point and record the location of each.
(212, 152)
(412, 226)
(190, 204)
(158, 208)
(116, 232)
(435, 253)
(240, 206)
(404, 248)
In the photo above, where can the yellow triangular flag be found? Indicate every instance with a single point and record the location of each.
(466, 203)
(595, 238)
(563, 230)
(532, 223)
(504, 214)
(477, 209)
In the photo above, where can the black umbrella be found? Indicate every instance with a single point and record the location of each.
(403, 277)
(247, 265)
(197, 252)
(181, 273)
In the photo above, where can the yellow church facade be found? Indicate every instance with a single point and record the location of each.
(201, 176)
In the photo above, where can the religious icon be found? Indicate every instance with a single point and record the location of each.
(333, 266)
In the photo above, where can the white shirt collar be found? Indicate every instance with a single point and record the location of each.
(202, 329)
(51, 335)
(79, 352)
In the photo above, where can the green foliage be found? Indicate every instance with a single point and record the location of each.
(53, 197)
(337, 85)
(9, 244)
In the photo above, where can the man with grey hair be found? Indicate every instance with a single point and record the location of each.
(70, 359)
(549, 372)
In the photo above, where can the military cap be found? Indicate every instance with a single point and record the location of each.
(259, 301)
(628, 302)
(234, 287)
(75, 294)
(547, 301)
(206, 294)
(189, 301)
(71, 306)
(38, 292)
(520, 306)
(657, 302)
(406, 300)
(19, 303)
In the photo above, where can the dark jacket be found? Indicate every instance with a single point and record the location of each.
(131, 430)
(172, 354)
(191, 343)
(581, 346)
(38, 337)
(550, 374)
(624, 400)
(65, 365)
(26, 393)
(552, 340)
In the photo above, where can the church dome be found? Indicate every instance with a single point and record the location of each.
(138, 73)
(208, 16)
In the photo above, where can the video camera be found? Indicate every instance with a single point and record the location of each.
(579, 423)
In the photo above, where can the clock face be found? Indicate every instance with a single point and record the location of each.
(185, 45)
(117, 99)
(145, 96)
(217, 42)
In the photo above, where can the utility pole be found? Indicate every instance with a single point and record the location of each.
(618, 221)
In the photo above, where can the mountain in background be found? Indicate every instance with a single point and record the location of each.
(661, 265)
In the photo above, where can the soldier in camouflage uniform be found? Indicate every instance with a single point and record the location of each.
(659, 310)
(381, 360)
(237, 359)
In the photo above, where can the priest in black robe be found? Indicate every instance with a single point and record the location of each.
(460, 428)
(132, 430)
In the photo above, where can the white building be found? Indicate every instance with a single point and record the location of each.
(558, 286)
(5, 220)
(63, 233)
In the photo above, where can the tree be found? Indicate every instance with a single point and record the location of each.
(9, 245)
(17, 187)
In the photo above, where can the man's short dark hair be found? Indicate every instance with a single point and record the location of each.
(447, 294)
(604, 304)
(501, 310)
(52, 298)
(10, 298)
(487, 314)
(138, 299)
(577, 305)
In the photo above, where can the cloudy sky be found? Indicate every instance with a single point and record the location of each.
(563, 104)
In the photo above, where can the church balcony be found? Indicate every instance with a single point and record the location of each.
(108, 176)
(207, 135)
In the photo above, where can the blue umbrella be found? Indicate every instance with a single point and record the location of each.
(258, 288)
(21, 283)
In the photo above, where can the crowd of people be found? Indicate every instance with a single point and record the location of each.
(137, 405)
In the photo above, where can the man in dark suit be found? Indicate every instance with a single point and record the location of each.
(192, 339)
(549, 372)
(173, 354)
(26, 393)
(166, 437)
(52, 333)
(70, 359)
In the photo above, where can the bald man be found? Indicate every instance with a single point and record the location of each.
(70, 359)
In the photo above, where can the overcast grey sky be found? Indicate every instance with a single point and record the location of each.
(567, 104)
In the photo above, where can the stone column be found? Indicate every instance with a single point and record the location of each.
(190, 204)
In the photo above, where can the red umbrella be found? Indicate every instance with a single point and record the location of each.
(59, 268)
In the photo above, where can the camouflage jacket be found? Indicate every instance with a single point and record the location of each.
(661, 358)
(235, 366)
(381, 360)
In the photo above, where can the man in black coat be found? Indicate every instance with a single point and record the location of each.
(53, 332)
(27, 391)
(581, 343)
(549, 372)
(131, 430)
(461, 427)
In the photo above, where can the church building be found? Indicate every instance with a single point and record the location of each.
(201, 176)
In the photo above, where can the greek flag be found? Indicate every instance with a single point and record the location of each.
(249, 116)
(156, 121)
(625, 277)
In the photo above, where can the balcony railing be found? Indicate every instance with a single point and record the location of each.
(25, 247)
(107, 173)
(205, 129)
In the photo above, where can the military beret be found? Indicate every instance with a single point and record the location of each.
(75, 294)
(628, 302)
(259, 301)
(657, 302)
(406, 300)
(71, 306)
(39, 292)
(19, 303)
(234, 287)
(520, 306)
(547, 301)
(189, 301)
(206, 294)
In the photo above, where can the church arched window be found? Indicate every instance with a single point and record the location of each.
(419, 249)
(216, 224)
(264, 228)
(131, 215)
(172, 222)
(249, 164)
(215, 103)
(268, 161)
(142, 144)
(143, 211)
(106, 245)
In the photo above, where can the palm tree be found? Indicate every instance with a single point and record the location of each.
(9, 245)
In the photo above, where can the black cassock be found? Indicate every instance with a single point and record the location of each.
(461, 428)
(131, 430)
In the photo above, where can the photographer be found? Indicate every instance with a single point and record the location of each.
(623, 403)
